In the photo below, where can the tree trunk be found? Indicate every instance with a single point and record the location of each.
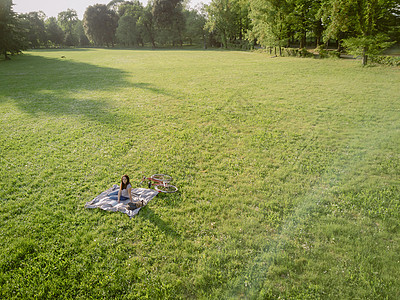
(303, 40)
(153, 42)
(364, 57)
(319, 29)
(339, 44)
(225, 41)
(6, 57)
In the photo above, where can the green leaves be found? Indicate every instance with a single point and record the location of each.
(100, 24)
(367, 45)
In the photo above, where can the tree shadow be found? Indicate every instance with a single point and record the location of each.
(59, 87)
(154, 89)
(80, 49)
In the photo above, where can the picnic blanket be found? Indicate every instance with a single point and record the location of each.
(104, 202)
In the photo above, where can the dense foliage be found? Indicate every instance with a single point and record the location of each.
(364, 26)
(361, 27)
(12, 39)
(127, 23)
(100, 24)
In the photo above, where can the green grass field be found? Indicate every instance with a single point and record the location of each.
(288, 171)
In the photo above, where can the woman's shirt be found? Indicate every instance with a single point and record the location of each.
(124, 192)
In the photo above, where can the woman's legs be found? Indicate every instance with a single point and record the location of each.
(114, 196)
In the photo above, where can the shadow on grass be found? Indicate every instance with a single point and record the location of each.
(157, 221)
(59, 87)
(154, 89)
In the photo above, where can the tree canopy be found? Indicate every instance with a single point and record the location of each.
(100, 24)
(55, 34)
(364, 26)
(11, 33)
(361, 27)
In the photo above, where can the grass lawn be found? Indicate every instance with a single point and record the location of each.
(288, 172)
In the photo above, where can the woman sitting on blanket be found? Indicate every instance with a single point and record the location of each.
(124, 192)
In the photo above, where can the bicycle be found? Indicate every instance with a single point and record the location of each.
(160, 183)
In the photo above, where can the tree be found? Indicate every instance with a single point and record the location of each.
(222, 18)
(370, 19)
(169, 20)
(230, 20)
(11, 33)
(367, 45)
(100, 24)
(33, 23)
(392, 21)
(146, 25)
(115, 4)
(79, 32)
(128, 31)
(317, 24)
(339, 19)
(54, 32)
(67, 20)
(194, 27)
(244, 21)
(271, 24)
(302, 18)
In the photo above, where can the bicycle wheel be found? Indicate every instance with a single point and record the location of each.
(162, 177)
(165, 188)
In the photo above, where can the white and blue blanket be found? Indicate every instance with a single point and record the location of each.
(105, 202)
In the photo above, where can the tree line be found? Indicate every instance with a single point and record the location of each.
(126, 23)
(362, 27)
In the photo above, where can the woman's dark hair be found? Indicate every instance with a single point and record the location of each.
(123, 186)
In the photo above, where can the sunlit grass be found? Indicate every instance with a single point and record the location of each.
(288, 172)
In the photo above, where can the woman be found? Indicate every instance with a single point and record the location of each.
(124, 192)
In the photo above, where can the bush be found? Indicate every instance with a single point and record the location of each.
(290, 52)
(240, 44)
(305, 53)
(296, 52)
(386, 60)
(334, 54)
(323, 53)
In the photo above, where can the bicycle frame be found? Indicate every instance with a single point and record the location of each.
(160, 183)
(152, 181)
